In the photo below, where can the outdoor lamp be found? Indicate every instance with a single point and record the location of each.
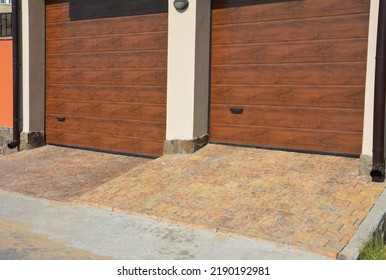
(181, 4)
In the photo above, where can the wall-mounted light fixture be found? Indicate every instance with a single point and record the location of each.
(181, 5)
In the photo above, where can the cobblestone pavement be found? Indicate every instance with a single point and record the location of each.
(311, 202)
(59, 173)
(304, 201)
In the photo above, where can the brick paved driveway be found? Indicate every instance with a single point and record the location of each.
(304, 201)
(311, 202)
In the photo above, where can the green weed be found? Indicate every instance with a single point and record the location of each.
(374, 250)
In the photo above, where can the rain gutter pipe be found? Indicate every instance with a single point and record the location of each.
(378, 170)
(16, 75)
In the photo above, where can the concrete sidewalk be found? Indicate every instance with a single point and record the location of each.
(309, 202)
(38, 229)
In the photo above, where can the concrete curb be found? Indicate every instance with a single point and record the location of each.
(374, 222)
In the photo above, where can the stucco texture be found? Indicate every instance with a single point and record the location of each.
(6, 83)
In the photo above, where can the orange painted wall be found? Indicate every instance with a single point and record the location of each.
(6, 108)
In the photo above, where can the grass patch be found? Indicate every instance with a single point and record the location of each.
(374, 250)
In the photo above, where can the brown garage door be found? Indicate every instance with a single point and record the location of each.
(295, 68)
(106, 74)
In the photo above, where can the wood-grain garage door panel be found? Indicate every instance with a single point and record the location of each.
(135, 77)
(291, 117)
(292, 30)
(292, 52)
(291, 74)
(124, 94)
(243, 11)
(107, 78)
(96, 141)
(135, 59)
(298, 70)
(147, 112)
(311, 140)
(115, 43)
(301, 96)
(128, 128)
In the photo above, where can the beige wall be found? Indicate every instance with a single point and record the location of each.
(188, 71)
(367, 144)
(33, 59)
(5, 8)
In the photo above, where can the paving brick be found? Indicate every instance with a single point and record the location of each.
(232, 188)
(306, 201)
(62, 174)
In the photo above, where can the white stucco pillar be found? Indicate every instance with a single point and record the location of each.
(188, 77)
(33, 69)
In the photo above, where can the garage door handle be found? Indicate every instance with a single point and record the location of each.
(237, 111)
(61, 119)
